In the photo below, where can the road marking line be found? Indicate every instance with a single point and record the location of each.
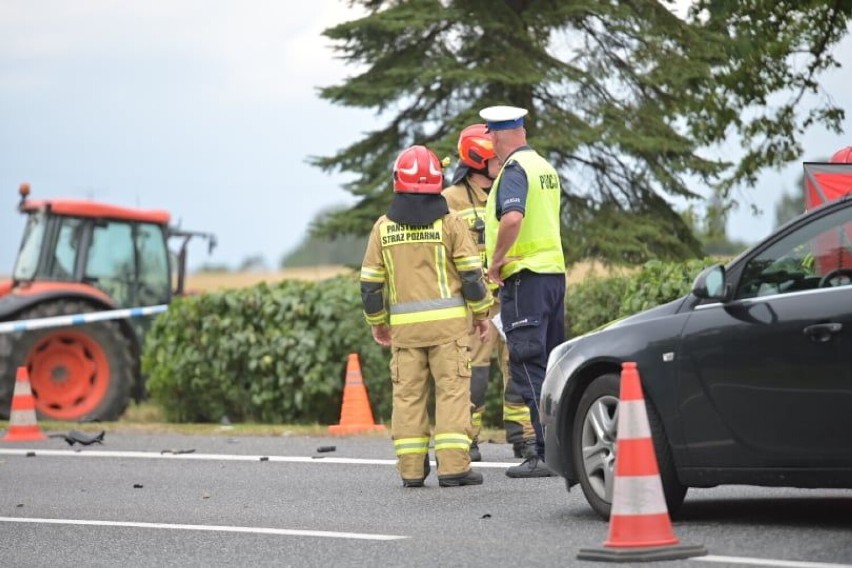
(219, 457)
(212, 528)
(767, 562)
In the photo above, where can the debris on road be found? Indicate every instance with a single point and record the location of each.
(77, 437)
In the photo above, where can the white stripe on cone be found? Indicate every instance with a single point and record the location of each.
(633, 420)
(22, 418)
(638, 495)
(22, 388)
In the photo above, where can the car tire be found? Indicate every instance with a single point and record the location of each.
(673, 489)
(593, 446)
(593, 449)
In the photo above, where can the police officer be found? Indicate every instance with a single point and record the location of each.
(524, 255)
(478, 166)
(421, 280)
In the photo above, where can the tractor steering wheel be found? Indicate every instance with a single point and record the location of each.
(844, 274)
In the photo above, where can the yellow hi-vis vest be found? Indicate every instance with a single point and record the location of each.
(538, 247)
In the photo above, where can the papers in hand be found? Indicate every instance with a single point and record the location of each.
(498, 323)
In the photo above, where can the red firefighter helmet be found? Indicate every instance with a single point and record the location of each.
(418, 170)
(843, 156)
(475, 147)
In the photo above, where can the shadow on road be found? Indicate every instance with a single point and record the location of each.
(810, 512)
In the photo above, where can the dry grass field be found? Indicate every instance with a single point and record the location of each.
(590, 268)
(208, 281)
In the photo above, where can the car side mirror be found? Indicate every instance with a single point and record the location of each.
(710, 284)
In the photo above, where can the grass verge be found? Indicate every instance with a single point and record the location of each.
(147, 418)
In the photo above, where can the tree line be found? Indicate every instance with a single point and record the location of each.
(627, 99)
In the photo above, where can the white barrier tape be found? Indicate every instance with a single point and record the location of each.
(79, 319)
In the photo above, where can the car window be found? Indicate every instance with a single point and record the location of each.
(818, 254)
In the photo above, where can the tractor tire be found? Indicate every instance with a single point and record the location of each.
(7, 375)
(78, 373)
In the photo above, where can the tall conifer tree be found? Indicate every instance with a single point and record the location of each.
(625, 98)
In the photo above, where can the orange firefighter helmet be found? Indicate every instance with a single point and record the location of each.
(475, 147)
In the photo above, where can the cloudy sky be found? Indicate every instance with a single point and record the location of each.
(208, 108)
(205, 108)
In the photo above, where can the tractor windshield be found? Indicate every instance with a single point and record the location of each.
(49, 248)
(27, 262)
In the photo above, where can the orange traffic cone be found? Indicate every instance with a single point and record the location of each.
(22, 419)
(639, 525)
(355, 413)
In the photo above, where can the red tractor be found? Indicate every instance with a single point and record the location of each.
(80, 257)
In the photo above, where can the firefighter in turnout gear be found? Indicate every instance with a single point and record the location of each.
(423, 291)
(467, 194)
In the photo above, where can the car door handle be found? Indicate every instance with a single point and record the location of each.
(822, 332)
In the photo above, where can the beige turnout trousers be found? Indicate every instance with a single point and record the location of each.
(411, 370)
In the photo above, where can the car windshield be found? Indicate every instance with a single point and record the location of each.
(801, 259)
(27, 262)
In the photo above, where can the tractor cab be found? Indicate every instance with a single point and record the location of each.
(122, 253)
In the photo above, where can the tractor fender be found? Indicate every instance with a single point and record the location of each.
(27, 295)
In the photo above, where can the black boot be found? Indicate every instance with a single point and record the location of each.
(419, 482)
(475, 455)
(530, 467)
(469, 478)
(525, 449)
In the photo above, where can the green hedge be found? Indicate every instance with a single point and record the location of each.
(277, 353)
(268, 353)
(599, 300)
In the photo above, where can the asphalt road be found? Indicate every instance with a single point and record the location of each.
(277, 501)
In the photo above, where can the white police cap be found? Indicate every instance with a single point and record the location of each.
(503, 117)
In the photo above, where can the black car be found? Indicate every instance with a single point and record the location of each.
(747, 379)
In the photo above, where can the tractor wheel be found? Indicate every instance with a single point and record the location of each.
(7, 375)
(83, 372)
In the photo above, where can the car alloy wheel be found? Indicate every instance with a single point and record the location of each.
(593, 444)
